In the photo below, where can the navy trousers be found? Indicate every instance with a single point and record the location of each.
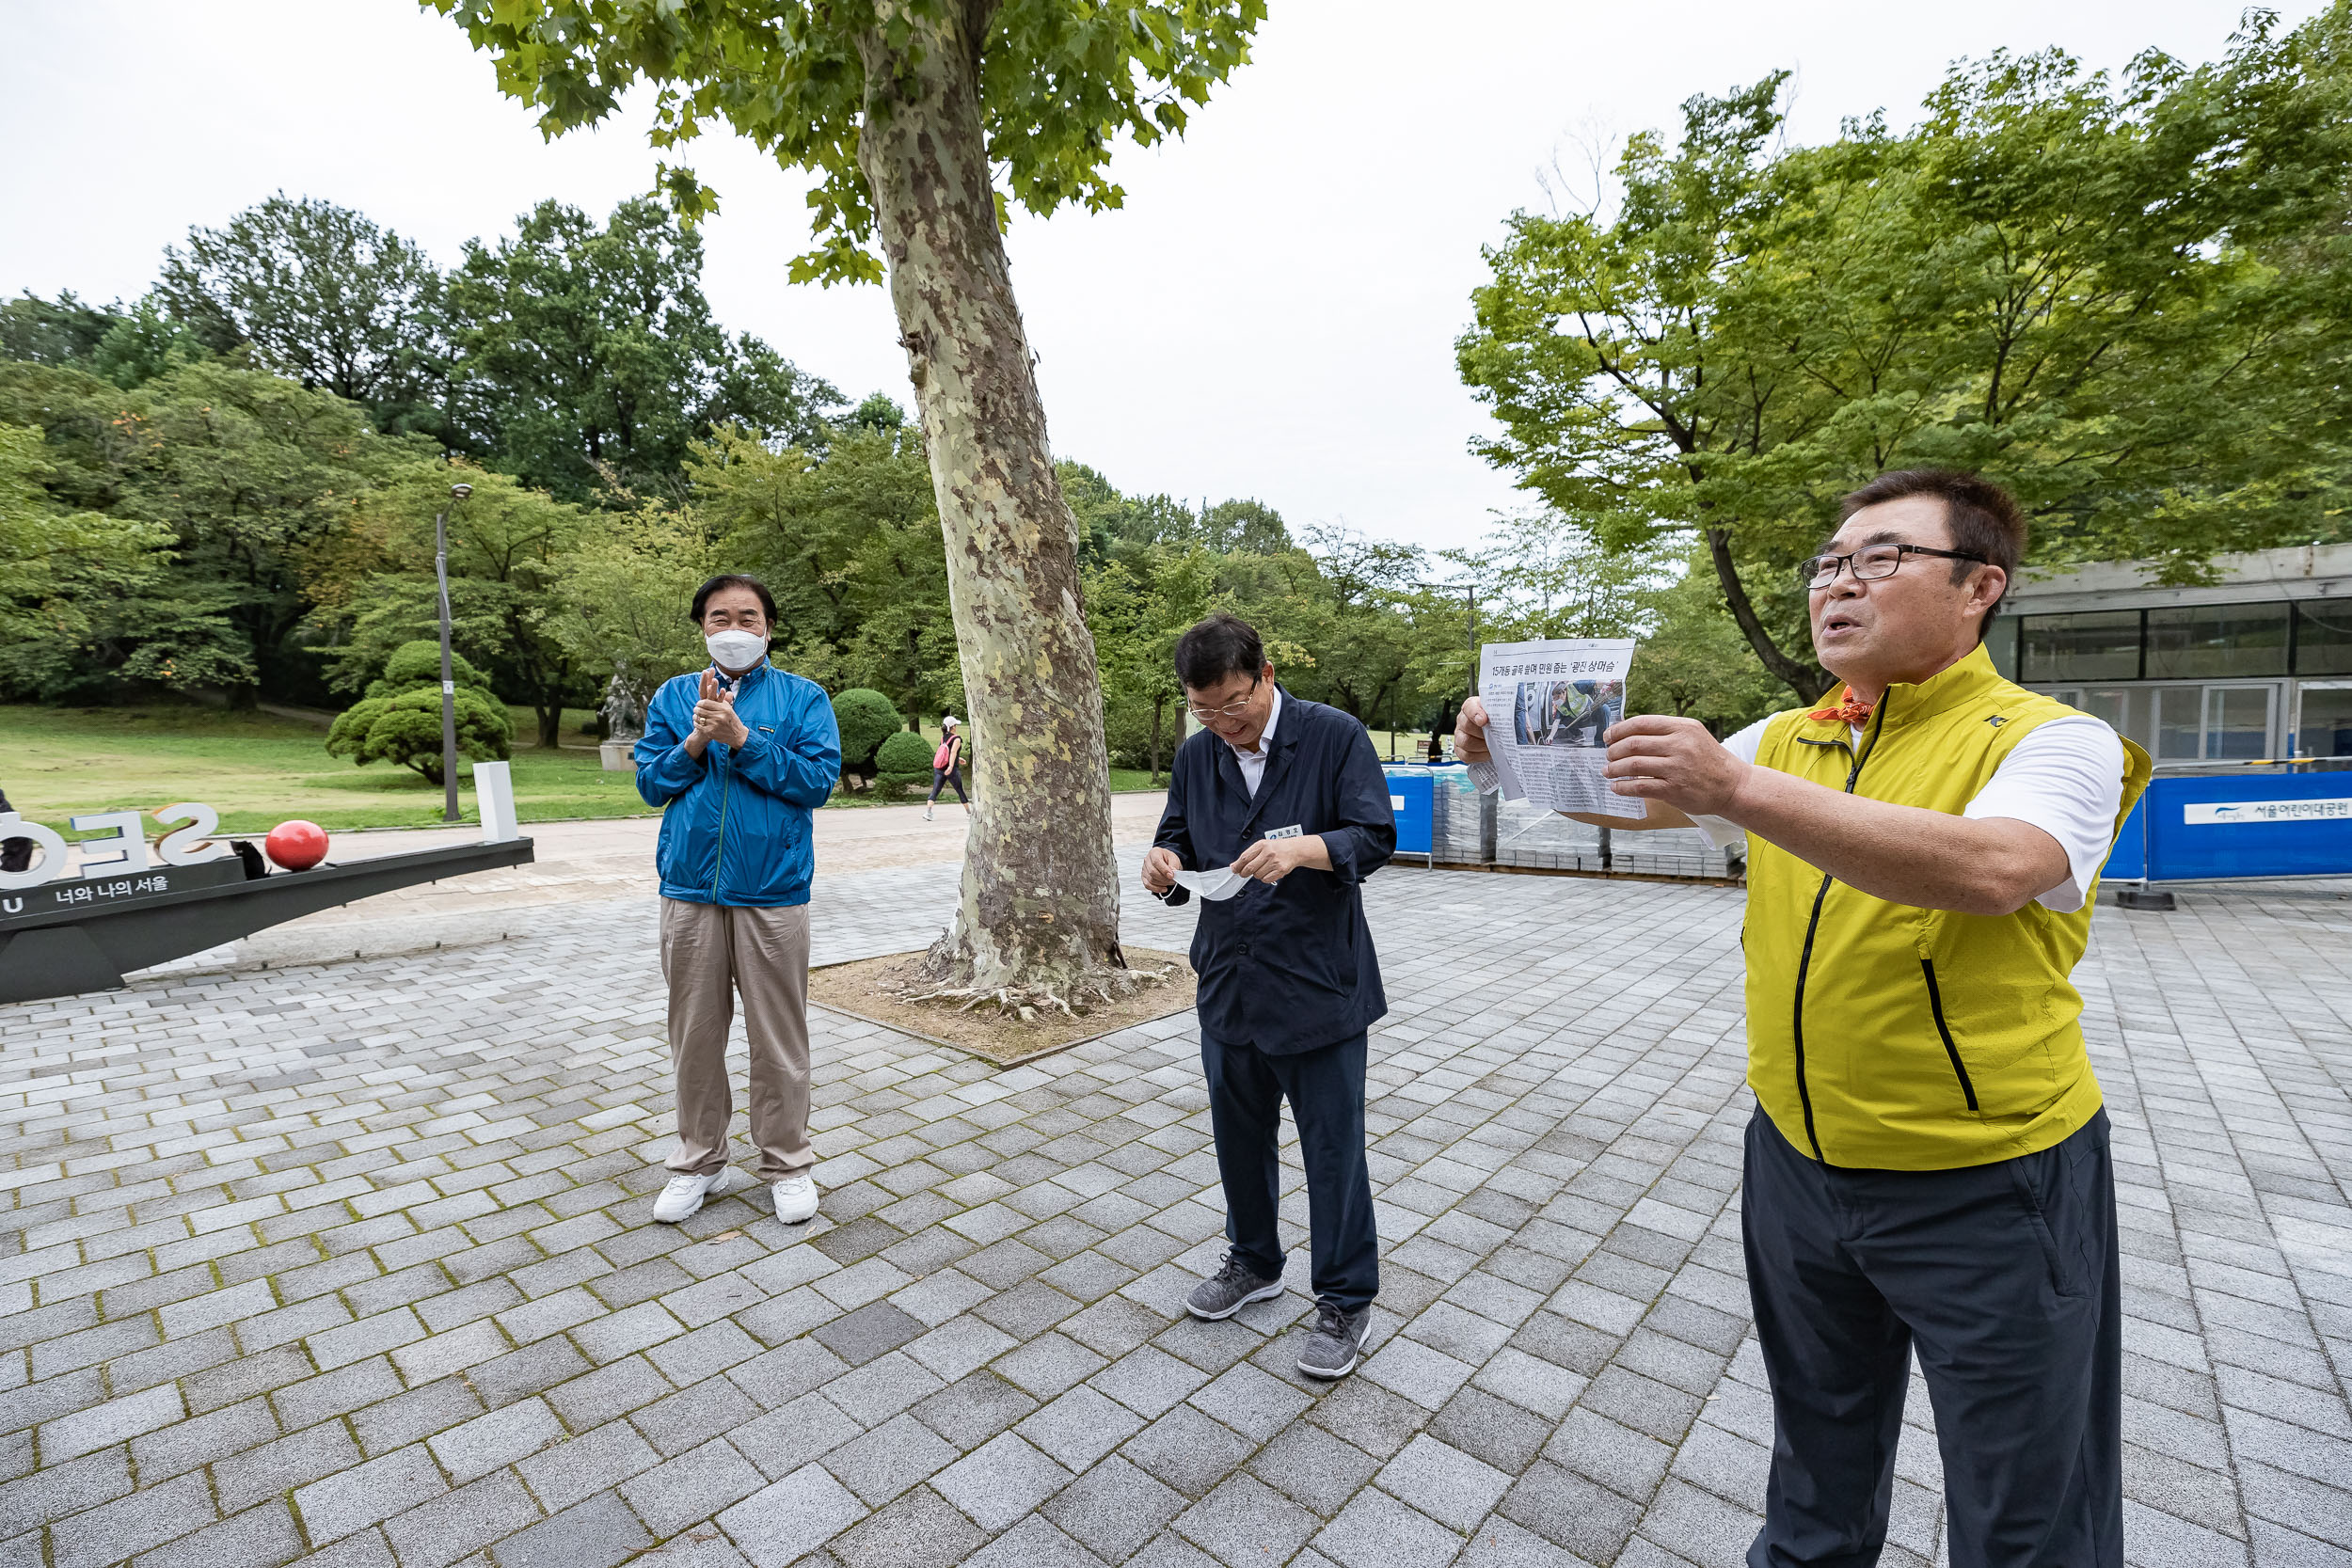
(2004, 1280)
(1326, 1088)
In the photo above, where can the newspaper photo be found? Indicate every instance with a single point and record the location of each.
(1549, 703)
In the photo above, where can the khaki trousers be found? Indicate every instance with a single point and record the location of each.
(709, 953)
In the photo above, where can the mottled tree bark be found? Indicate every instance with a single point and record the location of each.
(1038, 921)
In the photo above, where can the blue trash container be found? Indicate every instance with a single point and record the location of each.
(1410, 798)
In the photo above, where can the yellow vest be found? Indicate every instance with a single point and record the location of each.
(1887, 1037)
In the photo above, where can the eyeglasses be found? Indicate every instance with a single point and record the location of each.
(1870, 563)
(1230, 710)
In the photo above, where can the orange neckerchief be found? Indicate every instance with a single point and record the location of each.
(1854, 711)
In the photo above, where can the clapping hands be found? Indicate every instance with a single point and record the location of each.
(715, 717)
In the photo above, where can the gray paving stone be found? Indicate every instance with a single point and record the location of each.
(898, 1454)
(880, 1389)
(115, 1421)
(1499, 1543)
(1148, 1382)
(457, 1524)
(873, 1330)
(129, 1525)
(695, 1486)
(1113, 1508)
(294, 1460)
(572, 1471)
(1188, 1450)
(693, 1415)
(1079, 1428)
(1252, 1403)
(1501, 1434)
(999, 1481)
(1050, 1364)
(1449, 1485)
(1033, 1544)
(787, 1518)
(599, 1532)
(789, 1436)
(1246, 1520)
(1315, 1468)
(1377, 1531)
(263, 1537)
(396, 1423)
(1569, 1511)
(200, 1440)
(364, 1494)
(918, 1531)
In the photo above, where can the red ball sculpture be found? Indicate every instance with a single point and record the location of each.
(297, 845)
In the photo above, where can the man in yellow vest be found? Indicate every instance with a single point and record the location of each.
(1927, 1168)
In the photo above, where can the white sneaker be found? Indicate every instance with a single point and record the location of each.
(927, 814)
(686, 1194)
(796, 1199)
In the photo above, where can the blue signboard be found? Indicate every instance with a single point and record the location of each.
(2245, 825)
(2128, 860)
(1410, 797)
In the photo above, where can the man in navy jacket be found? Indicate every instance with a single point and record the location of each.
(735, 755)
(1276, 812)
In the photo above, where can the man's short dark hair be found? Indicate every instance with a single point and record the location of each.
(734, 579)
(1983, 517)
(1219, 646)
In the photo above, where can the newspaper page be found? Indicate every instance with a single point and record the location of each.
(1547, 705)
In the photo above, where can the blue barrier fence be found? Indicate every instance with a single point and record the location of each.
(2238, 825)
(1412, 797)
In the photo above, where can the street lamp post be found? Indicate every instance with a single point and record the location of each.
(449, 684)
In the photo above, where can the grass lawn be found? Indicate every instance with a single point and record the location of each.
(256, 770)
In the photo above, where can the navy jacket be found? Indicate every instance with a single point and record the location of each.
(735, 826)
(1285, 966)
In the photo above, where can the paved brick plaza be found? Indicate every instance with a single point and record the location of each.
(350, 1265)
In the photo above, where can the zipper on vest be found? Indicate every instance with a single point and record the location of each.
(1935, 1005)
(1804, 959)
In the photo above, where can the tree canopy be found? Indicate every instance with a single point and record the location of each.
(1061, 82)
(2123, 299)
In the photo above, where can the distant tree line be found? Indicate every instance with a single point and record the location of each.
(227, 490)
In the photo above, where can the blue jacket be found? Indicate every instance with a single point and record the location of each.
(734, 826)
(1286, 966)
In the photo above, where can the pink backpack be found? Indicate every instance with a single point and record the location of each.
(945, 753)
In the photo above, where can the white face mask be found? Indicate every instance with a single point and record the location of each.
(735, 651)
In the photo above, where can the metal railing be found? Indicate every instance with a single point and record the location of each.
(1469, 829)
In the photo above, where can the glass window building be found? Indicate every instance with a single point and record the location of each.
(2254, 666)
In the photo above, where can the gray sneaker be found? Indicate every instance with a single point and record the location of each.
(1336, 1342)
(1229, 1290)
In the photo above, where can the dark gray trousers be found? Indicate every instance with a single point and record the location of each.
(2004, 1280)
(1326, 1088)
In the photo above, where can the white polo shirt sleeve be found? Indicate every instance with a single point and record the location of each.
(2065, 777)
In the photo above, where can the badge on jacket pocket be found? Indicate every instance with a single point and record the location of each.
(1291, 831)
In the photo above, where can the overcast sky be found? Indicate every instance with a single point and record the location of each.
(1272, 314)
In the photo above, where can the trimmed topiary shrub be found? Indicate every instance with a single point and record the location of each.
(400, 718)
(865, 719)
(419, 663)
(903, 762)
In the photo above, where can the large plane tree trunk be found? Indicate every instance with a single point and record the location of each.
(1036, 925)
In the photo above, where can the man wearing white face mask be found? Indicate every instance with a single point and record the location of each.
(735, 755)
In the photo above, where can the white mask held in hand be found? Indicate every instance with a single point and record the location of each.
(735, 651)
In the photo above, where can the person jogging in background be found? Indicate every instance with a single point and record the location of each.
(737, 755)
(947, 764)
(1928, 1168)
